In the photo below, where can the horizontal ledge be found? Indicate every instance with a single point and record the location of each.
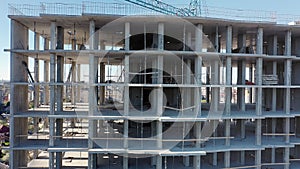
(156, 85)
(112, 53)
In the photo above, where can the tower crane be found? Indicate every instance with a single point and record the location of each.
(164, 8)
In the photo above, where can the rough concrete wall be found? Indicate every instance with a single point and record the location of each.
(19, 96)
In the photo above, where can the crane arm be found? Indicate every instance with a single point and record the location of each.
(162, 7)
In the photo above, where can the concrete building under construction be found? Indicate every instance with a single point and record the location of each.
(140, 91)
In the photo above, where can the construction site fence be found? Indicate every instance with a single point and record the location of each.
(119, 8)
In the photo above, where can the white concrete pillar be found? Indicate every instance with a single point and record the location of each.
(198, 38)
(258, 106)
(46, 79)
(92, 94)
(78, 94)
(275, 46)
(18, 97)
(73, 95)
(286, 157)
(259, 41)
(258, 159)
(273, 154)
(241, 81)
(187, 103)
(242, 158)
(228, 89)
(36, 101)
(287, 82)
(227, 108)
(215, 98)
(288, 43)
(52, 92)
(217, 46)
(197, 93)
(102, 80)
(126, 91)
(46, 75)
(229, 39)
(197, 159)
(251, 80)
(36, 71)
(274, 95)
(59, 91)
(159, 93)
(259, 67)
(74, 77)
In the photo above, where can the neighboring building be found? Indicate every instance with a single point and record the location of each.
(145, 103)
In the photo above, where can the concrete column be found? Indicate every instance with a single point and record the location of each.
(259, 63)
(258, 159)
(287, 100)
(217, 46)
(241, 73)
(198, 68)
(287, 82)
(272, 45)
(259, 41)
(199, 37)
(126, 91)
(73, 95)
(159, 92)
(288, 43)
(251, 79)
(36, 101)
(242, 39)
(243, 136)
(228, 94)
(18, 97)
(273, 155)
(78, 87)
(228, 89)
(242, 157)
(274, 95)
(187, 103)
(36, 71)
(227, 109)
(197, 93)
(197, 159)
(215, 159)
(46, 74)
(241, 81)
(102, 80)
(92, 94)
(59, 91)
(286, 158)
(52, 92)
(258, 100)
(258, 75)
(229, 39)
(215, 98)
(46, 79)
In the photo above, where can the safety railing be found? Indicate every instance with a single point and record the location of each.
(90, 7)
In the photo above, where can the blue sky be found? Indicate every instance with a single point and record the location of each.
(280, 6)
